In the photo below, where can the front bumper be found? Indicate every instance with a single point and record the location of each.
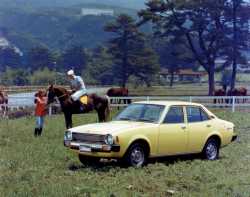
(92, 147)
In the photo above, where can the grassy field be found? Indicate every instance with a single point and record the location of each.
(43, 167)
(192, 89)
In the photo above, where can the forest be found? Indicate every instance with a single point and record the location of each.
(129, 46)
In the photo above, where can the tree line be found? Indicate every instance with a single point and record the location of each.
(185, 34)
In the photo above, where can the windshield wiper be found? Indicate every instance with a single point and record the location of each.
(124, 118)
(146, 120)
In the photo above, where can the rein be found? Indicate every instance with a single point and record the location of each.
(62, 96)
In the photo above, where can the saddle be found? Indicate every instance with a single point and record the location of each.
(84, 99)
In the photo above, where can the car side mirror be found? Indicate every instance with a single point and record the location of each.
(212, 117)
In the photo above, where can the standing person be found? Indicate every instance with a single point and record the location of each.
(77, 85)
(40, 111)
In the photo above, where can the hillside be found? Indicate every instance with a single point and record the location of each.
(134, 4)
(56, 27)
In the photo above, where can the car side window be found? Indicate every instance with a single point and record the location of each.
(196, 114)
(204, 115)
(175, 115)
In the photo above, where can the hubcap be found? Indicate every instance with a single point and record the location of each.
(137, 157)
(211, 151)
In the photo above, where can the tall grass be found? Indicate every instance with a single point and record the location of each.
(43, 167)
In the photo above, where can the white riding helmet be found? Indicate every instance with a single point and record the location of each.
(71, 72)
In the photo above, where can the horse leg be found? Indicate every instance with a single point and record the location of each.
(100, 115)
(68, 120)
(103, 112)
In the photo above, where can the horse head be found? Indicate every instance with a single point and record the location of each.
(55, 91)
(51, 94)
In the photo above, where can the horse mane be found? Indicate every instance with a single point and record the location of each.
(61, 89)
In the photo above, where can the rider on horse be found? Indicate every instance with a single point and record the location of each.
(77, 85)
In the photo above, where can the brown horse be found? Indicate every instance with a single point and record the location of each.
(238, 92)
(4, 102)
(219, 92)
(69, 107)
(119, 92)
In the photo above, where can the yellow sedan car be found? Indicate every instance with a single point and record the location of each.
(152, 129)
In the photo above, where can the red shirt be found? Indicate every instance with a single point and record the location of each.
(40, 106)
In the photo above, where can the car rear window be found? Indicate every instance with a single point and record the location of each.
(196, 114)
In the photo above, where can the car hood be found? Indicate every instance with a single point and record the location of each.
(226, 123)
(108, 128)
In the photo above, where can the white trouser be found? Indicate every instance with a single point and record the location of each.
(77, 95)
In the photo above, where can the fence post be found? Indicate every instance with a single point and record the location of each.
(50, 110)
(190, 99)
(148, 98)
(233, 104)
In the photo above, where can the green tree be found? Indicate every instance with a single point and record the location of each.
(13, 76)
(39, 58)
(9, 58)
(75, 58)
(99, 69)
(239, 16)
(43, 77)
(174, 55)
(203, 25)
(130, 51)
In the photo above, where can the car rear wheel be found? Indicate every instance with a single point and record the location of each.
(85, 160)
(211, 150)
(136, 155)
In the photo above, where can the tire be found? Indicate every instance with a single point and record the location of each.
(85, 160)
(136, 155)
(211, 150)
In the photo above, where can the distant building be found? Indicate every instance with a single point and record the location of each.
(97, 12)
(183, 75)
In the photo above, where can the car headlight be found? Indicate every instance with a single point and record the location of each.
(109, 139)
(68, 136)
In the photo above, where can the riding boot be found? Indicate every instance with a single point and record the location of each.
(40, 131)
(36, 132)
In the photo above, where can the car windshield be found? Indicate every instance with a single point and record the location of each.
(141, 112)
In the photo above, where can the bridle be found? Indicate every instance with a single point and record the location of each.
(58, 97)
(62, 96)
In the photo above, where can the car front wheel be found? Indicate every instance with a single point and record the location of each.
(211, 150)
(136, 155)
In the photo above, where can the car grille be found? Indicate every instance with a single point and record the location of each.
(82, 137)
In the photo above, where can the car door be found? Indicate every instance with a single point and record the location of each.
(199, 126)
(173, 133)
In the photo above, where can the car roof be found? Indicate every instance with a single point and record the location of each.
(167, 103)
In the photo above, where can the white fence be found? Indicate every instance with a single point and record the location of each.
(210, 101)
(233, 103)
